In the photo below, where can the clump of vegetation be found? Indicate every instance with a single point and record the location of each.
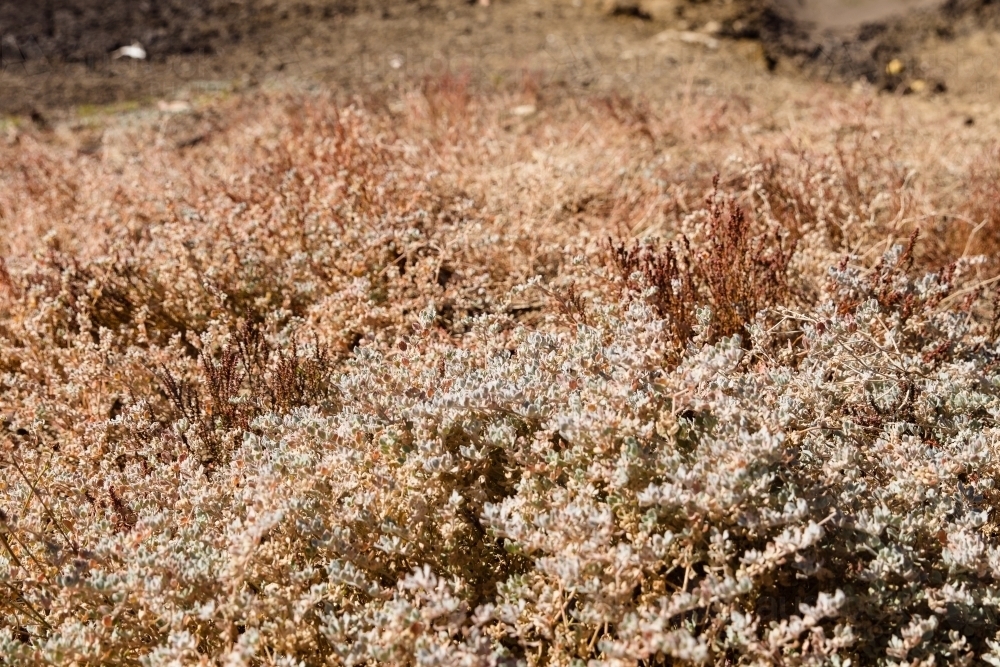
(736, 275)
(318, 391)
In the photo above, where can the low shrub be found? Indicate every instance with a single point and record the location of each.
(549, 497)
(736, 274)
(312, 403)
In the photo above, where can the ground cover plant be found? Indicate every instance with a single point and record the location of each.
(438, 384)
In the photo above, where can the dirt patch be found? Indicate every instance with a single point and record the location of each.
(884, 42)
(89, 30)
(56, 54)
(353, 47)
(59, 53)
(824, 15)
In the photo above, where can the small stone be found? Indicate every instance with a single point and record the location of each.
(133, 50)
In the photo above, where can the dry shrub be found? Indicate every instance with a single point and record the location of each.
(273, 398)
(736, 274)
(978, 219)
(247, 378)
(669, 275)
(448, 98)
(744, 273)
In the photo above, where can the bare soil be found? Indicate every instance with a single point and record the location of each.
(847, 40)
(841, 14)
(56, 55)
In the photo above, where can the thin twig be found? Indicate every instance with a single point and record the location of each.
(45, 506)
